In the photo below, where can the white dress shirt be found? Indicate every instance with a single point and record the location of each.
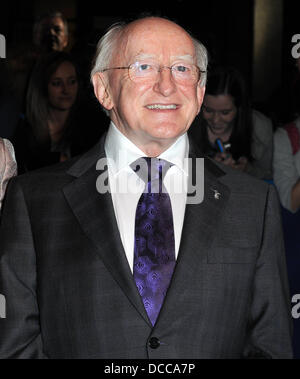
(126, 187)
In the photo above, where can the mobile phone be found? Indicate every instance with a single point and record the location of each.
(220, 145)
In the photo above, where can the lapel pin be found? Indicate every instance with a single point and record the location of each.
(217, 194)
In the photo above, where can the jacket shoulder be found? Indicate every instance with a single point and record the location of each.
(236, 180)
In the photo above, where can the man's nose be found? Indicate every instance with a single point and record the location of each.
(165, 83)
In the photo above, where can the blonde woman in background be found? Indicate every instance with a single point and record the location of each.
(8, 166)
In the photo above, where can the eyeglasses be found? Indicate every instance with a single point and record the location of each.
(148, 72)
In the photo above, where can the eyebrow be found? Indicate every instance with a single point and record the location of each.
(144, 56)
(186, 57)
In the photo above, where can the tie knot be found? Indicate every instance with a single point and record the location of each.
(151, 169)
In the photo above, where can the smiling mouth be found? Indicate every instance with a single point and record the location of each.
(217, 127)
(162, 107)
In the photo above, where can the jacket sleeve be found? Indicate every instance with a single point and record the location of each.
(20, 335)
(270, 322)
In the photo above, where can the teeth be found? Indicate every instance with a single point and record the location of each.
(160, 106)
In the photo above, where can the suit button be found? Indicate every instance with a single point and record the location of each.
(154, 343)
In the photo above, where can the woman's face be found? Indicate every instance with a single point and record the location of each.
(63, 87)
(219, 113)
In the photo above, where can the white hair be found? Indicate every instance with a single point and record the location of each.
(107, 45)
(202, 60)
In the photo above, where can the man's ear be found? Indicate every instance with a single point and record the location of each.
(101, 90)
(200, 96)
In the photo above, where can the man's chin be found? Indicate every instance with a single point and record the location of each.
(167, 131)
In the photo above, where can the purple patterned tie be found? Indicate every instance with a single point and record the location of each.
(154, 247)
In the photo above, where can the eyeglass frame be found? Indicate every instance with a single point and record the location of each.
(160, 68)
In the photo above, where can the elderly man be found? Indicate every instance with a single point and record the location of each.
(90, 270)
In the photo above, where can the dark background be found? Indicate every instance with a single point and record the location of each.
(252, 35)
(227, 28)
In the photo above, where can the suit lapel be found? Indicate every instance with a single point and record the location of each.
(95, 214)
(201, 222)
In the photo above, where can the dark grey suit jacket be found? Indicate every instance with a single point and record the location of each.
(70, 292)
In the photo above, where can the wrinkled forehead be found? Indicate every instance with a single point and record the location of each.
(159, 39)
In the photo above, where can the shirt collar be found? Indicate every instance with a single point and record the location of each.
(121, 152)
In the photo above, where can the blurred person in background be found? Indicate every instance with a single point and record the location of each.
(226, 115)
(55, 127)
(8, 166)
(286, 165)
(50, 32)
